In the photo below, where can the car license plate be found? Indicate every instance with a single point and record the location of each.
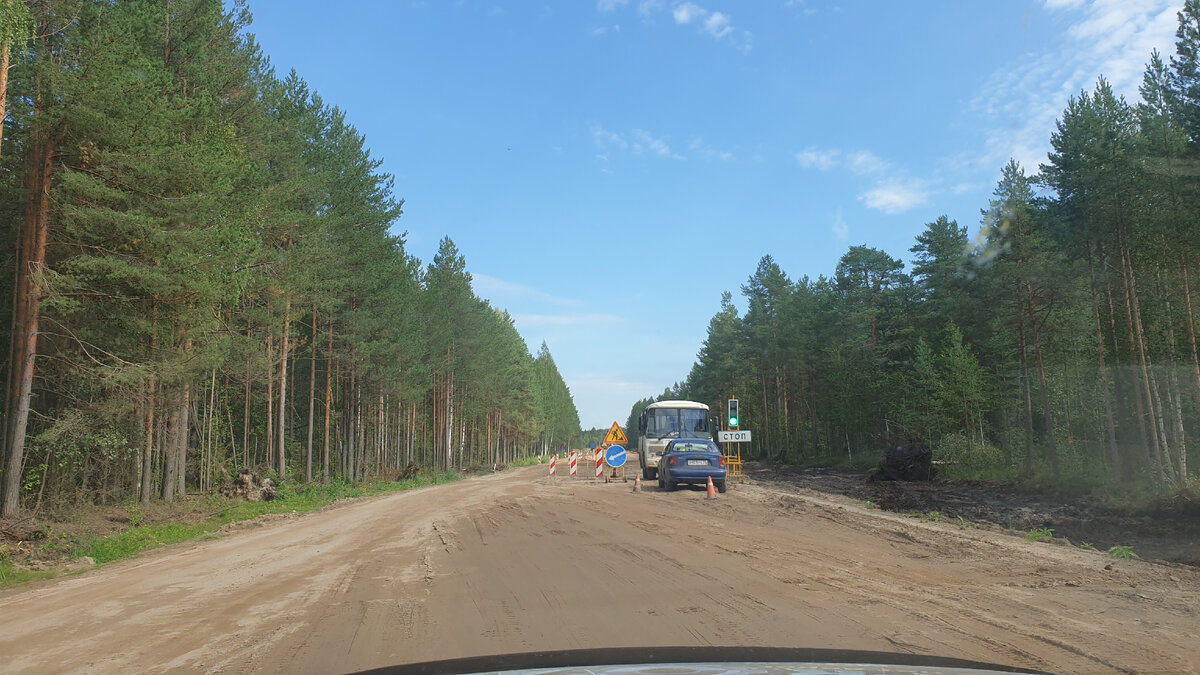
(697, 462)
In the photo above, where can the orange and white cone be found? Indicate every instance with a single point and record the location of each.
(637, 482)
(712, 490)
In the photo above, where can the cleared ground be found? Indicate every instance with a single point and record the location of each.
(517, 562)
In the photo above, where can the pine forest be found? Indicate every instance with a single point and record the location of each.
(202, 274)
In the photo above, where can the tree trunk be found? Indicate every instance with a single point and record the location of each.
(764, 448)
(170, 467)
(246, 414)
(1110, 426)
(4, 56)
(148, 452)
(281, 427)
(209, 415)
(1142, 384)
(1122, 389)
(1025, 390)
(181, 439)
(328, 400)
(1047, 415)
(353, 424)
(1134, 310)
(312, 397)
(39, 167)
(270, 400)
(1191, 324)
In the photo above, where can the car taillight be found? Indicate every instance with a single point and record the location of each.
(722, 460)
(672, 460)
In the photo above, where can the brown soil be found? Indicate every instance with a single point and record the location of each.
(1167, 529)
(518, 562)
(48, 538)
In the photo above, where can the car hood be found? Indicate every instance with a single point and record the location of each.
(708, 661)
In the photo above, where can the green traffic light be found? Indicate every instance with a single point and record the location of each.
(733, 421)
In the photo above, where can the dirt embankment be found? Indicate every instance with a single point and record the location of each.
(1168, 529)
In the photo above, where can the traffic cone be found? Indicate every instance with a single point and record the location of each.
(712, 490)
(637, 482)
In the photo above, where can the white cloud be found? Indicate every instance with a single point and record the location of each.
(864, 162)
(821, 160)
(841, 229)
(859, 162)
(609, 5)
(644, 142)
(1022, 101)
(607, 139)
(717, 25)
(528, 320)
(702, 149)
(637, 141)
(684, 13)
(648, 7)
(505, 292)
(896, 196)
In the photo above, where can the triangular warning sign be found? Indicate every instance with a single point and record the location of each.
(615, 436)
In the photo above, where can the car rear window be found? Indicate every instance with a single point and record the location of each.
(693, 447)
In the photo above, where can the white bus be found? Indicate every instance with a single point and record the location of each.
(663, 421)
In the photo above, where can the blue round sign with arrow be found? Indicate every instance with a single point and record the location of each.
(615, 456)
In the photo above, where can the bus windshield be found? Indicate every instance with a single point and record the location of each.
(677, 423)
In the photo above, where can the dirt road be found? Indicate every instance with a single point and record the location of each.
(517, 562)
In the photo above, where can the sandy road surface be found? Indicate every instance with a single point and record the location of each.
(517, 562)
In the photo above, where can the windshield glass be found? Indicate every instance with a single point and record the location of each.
(926, 275)
(677, 423)
(693, 446)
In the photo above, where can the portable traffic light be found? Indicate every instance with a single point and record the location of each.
(733, 413)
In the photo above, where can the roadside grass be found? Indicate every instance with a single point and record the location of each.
(12, 577)
(525, 461)
(293, 498)
(1040, 534)
(1123, 552)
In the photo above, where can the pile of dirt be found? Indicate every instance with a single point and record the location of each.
(908, 463)
(21, 530)
(251, 486)
(1167, 529)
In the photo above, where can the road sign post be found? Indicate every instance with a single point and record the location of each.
(615, 436)
(615, 456)
(734, 434)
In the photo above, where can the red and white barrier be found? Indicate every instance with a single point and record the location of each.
(552, 460)
(574, 464)
(599, 463)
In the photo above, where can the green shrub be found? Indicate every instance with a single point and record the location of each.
(1122, 552)
(1040, 534)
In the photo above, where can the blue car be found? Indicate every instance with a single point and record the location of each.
(691, 460)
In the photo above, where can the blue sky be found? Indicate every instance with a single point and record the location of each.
(609, 167)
